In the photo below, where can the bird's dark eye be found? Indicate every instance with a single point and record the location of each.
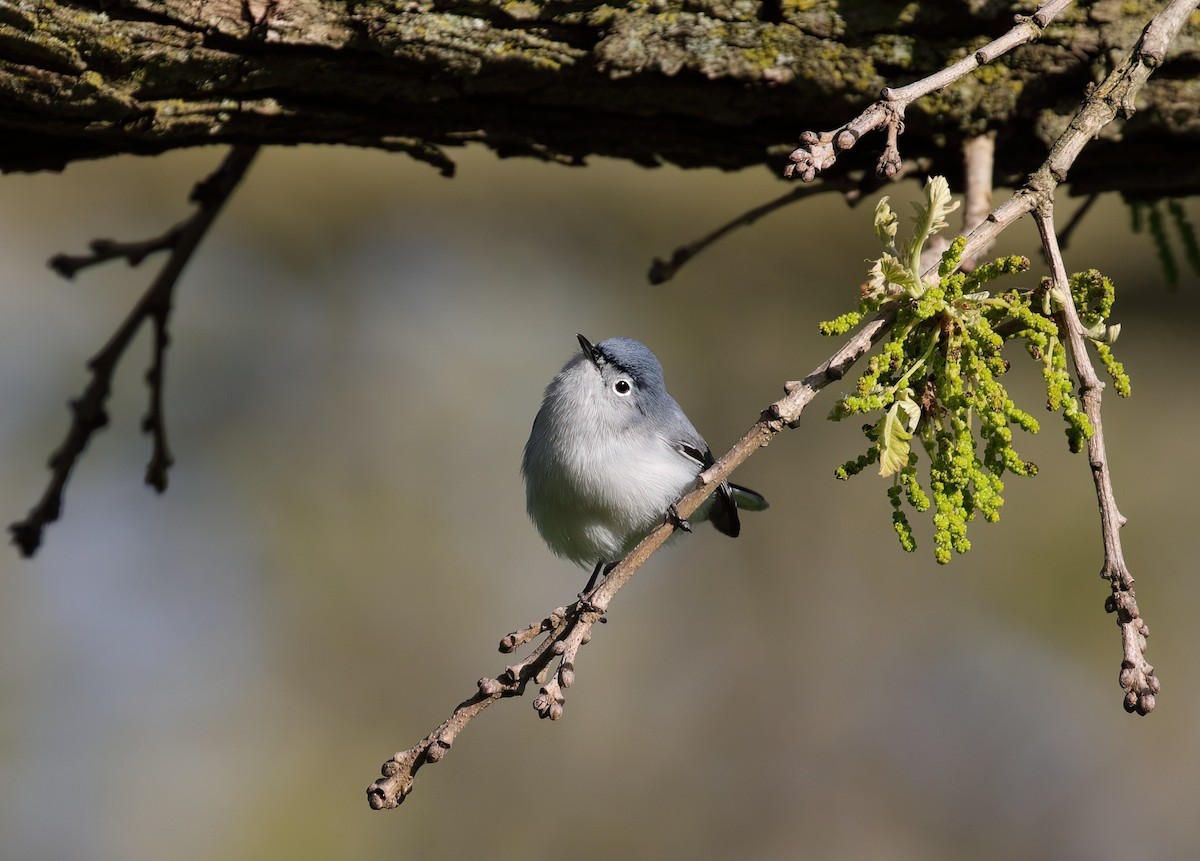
(622, 387)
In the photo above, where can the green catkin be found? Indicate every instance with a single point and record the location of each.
(945, 353)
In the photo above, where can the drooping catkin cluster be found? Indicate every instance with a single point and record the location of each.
(937, 377)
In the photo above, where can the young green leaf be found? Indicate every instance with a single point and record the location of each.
(896, 433)
(886, 223)
(930, 217)
(894, 272)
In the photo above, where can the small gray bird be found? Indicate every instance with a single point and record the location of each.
(610, 453)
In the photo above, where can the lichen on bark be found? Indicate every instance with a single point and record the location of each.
(725, 83)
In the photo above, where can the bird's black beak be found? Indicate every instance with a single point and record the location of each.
(588, 349)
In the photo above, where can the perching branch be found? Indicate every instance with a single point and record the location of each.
(819, 150)
(566, 629)
(88, 413)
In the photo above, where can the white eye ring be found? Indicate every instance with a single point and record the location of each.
(622, 387)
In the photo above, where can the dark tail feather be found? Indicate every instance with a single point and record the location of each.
(724, 513)
(747, 500)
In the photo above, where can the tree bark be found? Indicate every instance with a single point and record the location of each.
(725, 83)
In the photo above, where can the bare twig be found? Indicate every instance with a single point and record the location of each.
(1112, 98)
(853, 189)
(1137, 675)
(88, 413)
(818, 150)
(664, 270)
(68, 265)
(1064, 235)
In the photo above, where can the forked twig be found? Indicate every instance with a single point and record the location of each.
(88, 413)
(68, 265)
(819, 150)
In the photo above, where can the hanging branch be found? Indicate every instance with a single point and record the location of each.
(1137, 675)
(852, 190)
(1113, 98)
(88, 412)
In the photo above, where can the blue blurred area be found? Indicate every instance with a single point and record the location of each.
(358, 350)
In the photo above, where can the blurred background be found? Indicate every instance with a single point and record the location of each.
(359, 349)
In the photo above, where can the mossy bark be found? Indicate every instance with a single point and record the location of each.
(724, 83)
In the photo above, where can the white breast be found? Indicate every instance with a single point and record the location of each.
(595, 495)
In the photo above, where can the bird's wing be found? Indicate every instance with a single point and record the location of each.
(724, 510)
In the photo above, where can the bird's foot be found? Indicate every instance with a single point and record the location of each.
(676, 519)
(586, 606)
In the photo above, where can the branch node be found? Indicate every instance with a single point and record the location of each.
(845, 139)
(489, 687)
(88, 413)
(436, 750)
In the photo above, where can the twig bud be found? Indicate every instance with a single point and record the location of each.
(436, 750)
(489, 687)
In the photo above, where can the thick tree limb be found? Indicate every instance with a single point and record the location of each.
(696, 83)
(88, 412)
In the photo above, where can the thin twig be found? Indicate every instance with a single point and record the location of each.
(853, 189)
(88, 413)
(819, 150)
(664, 270)
(68, 265)
(1064, 235)
(1137, 675)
